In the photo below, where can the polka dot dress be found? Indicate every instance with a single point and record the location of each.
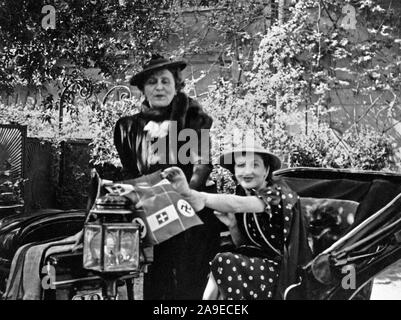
(251, 271)
(240, 277)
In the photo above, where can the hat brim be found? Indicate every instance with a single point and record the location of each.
(139, 78)
(226, 160)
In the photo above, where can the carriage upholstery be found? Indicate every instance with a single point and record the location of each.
(327, 220)
(335, 201)
(368, 249)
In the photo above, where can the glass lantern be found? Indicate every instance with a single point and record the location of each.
(111, 243)
(111, 247)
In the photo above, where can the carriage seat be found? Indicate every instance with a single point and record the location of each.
(327, 220)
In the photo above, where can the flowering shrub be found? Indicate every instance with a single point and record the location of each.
(317, 149)
(285, 99)
(10, 192)
(371, 150)
(43, 123)
(360, 148)
(103, 150)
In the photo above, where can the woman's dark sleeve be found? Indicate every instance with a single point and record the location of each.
(201, 123)
(123, 136)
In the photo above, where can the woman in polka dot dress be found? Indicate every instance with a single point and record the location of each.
(265, 224)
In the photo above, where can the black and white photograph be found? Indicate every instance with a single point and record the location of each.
(199, 155)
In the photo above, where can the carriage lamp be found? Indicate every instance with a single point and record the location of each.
(111, 240)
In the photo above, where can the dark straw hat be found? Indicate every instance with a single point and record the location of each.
(226, 160)
(157, 62)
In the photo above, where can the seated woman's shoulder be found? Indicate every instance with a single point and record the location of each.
(278, 188)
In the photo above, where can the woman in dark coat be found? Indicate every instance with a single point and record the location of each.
(150, 141)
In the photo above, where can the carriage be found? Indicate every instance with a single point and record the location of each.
(354, 229)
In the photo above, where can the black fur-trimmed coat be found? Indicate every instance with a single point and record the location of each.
(181, 264)
(188, 114)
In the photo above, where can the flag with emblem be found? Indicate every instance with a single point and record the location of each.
(164, 213)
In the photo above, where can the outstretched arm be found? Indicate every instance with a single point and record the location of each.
(232, 203)
(219, 202)
(225, 205)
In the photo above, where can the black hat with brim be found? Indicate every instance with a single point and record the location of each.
(156, 63)
(226, 160)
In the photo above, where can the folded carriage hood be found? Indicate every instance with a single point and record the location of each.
(42, 225)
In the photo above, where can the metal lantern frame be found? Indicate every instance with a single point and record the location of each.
(109, 215)
(103, 229)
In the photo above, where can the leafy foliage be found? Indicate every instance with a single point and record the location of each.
(286, 100)
(363, 149)
(103, 150)
(43, 124)
(283, 82)
(88, 34)
(11, 192)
